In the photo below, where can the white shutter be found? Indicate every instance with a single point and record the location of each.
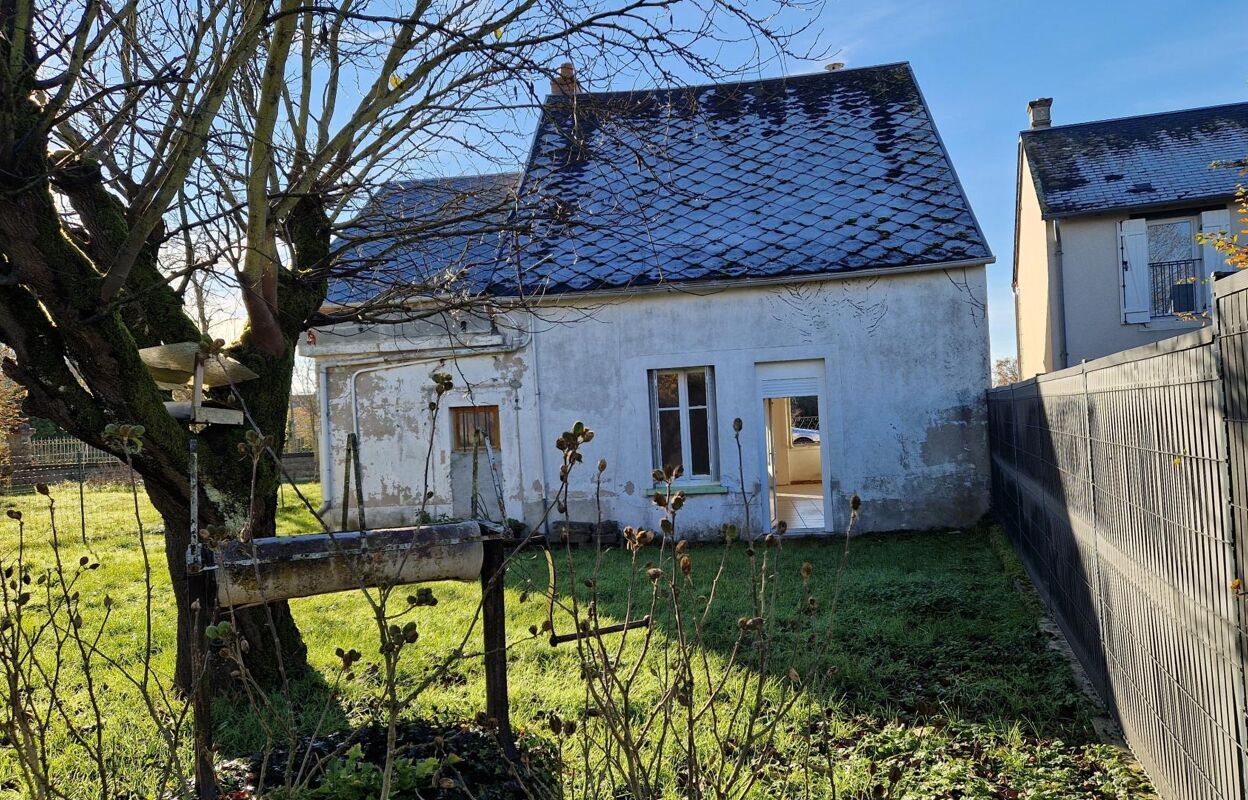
(1213, 222)
(790, 387)
(1137, 288)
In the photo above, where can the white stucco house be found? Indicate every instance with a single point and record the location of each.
(795, 252)
(1105, 251)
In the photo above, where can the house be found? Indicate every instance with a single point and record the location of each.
(796, 253)
(1107, 215)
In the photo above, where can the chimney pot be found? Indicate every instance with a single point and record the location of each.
(565, 81)
(1038, 112)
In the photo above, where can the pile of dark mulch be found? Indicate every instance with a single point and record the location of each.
(474, 761)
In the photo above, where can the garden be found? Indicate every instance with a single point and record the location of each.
(901, 665)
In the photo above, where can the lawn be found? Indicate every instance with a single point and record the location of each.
(937, 666)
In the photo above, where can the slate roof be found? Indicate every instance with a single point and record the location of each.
(442, 231)
(807, 175)
(1137, 162)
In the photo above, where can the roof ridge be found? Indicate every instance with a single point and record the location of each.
(743, 82)
(1130, 117)
(448, 178)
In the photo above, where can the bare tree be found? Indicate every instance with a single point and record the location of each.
(150, 146)
(1004, 371)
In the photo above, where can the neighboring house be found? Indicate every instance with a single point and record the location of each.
(1107, 217)
(794, 252)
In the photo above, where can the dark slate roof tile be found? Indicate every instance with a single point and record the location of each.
(442, 231)
(803, 175)
(1135, 162)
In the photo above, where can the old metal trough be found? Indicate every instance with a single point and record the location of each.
(284, 567)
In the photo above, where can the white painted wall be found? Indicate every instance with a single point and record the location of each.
(803, 463)
(906, 364)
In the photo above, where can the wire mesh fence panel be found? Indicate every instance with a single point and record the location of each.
(27, 462)
(1121, 484)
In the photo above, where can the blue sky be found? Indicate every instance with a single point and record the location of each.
(979, 62)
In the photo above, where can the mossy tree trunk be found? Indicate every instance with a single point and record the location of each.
(78, 357)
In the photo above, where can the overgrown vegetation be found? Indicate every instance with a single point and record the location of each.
(938, 675)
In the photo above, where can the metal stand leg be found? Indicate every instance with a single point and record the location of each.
(494, 625)
(201, 702)
(199, 587)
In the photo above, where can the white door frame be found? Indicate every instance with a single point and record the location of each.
(791, 379)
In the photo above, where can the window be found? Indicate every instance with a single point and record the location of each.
(804, 420)
(682, 403)
(1165, 271)
(465, 422)
(1176, 270)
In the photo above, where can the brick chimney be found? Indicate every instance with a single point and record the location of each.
(565, 81)
(1038, 112)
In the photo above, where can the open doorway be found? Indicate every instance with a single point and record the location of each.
(795, 461)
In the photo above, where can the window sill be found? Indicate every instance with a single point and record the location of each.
(692, 488)
(1173, 324)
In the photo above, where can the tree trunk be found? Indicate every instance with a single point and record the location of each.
(81, 367)
(276, 651)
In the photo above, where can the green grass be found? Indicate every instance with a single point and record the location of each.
(940, 666)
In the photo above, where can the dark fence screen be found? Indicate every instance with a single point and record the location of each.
(1123, 485)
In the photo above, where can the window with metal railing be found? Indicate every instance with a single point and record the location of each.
(1177, 287)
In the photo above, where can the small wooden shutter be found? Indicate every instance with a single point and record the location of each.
(1213, 222)
(1137, 287)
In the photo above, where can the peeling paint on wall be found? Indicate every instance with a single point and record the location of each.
(906, 363)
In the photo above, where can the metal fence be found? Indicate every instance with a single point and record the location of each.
(1123, 485)
(27, 461)
(64, 451)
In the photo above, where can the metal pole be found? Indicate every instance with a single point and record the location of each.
(82, 504)
(476, 461)
(201, 610)
(346, 480)
(359, 481)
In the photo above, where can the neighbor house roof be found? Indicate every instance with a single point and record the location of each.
(1137, 162)
(415, 237)
(824, 173)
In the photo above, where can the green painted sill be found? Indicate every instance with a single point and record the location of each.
(692, 488)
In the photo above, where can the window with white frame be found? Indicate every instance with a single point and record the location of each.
(1165, 271)
(682, 406)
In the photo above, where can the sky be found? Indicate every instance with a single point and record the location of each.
(979, 62)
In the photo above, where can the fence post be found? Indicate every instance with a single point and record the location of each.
(1228, 500)
(1098, 597)
(82, 502)
(21, 452)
